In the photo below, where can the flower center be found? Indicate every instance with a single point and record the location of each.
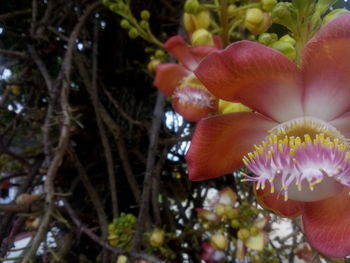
(192, 91)
(297, 156)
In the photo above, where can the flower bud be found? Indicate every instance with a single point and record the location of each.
(144, 24)
(334, 14)
(152, 65)
(285, 48)
(288, 39)
(235, 223)
(202, 37)
(219, 210)
(231, 10)
(159, 53)
(122, 259)
(243, 234)
(133, 33)
(256, 21)
(268, 5)
(219, 242)
(191, 6)
(254, 230)
(267, 38)
(157, 238)
(145, 15)
(192, 22)
(231, 212)
(125, 24)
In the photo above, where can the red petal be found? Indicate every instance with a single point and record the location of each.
(276, 203)
(259, 77)
(326, 69)
(168, 77)
(177, 47)
(219, 143)
(342, 124)
(327, 224)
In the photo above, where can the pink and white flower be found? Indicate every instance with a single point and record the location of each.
(189, 97)
(296, 142)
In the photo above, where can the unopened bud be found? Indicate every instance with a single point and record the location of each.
(288, 39)
(268, 5)
(133, 33)
(159, 53)
(157, 238)
(285, 48)
(243, 234)
(145, 15)
(256, 21)
(254, 231)
(334, 14)
(202, 37)
(192, 22)
(219, 210)
(219, 242)
(231, 212)
(231, 10)
(152, 65)
(125, 24)
(191, 6)
(144, 24)
(235, 223)
(122, 259)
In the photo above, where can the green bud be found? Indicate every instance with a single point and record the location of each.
(145, 15)
(125, 24)
(144, 24)
(287, 38)
(107, 2)
(285, 48)
(268, 5)
(254, 231)
(133, 33)
(267, 38)
(231, 10)
(191, 6)
(334, 14)
(159, 53)
(243, 234)
(235, 223)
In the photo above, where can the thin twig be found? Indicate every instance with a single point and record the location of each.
(149, 173)
(15, 13)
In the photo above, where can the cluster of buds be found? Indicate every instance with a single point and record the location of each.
(226, 215)
(285, 44)
(121, 230)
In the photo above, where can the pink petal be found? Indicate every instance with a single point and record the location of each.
(259, 77)
(327, 224)
(219, 143)
(178, 48)
(275, 202)
(342, 124)
(168, 77)
(326, 69)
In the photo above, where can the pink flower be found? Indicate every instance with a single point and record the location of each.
(210, 254)
(189, 97)
(299, 129)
